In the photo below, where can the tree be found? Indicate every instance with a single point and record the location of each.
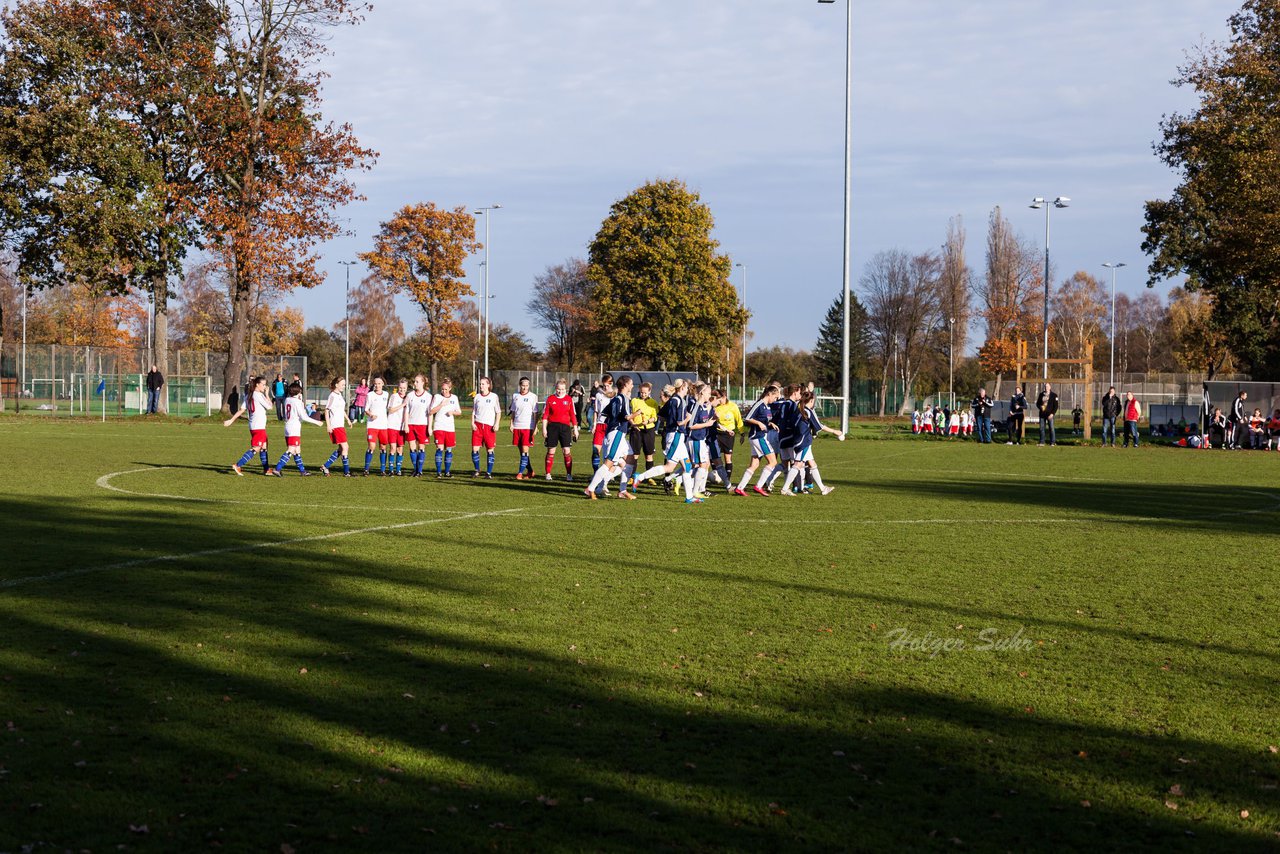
(376, 329)
(1079, 310)
(1199, 344)
(326, 357)
(781, 364)
(420, 251)
(1010, 296)
(1218, 227)
(954, 286)
(562, 305)
(830, 345)
(902, 309)
(663, 296)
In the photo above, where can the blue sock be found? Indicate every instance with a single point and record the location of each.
(283, 460)
(415, 457)
(368, 459)
(524, 462)
(248, 455)
(399, 461)
(301, 467)
(333, 458)
(439, 459)
(382, 461)
(448, 461)
(346, 466)
(475, 460)
(595, 457)
(489, 462)
(262, 455)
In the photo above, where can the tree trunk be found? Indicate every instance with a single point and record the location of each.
(434, 382)
(884, 387)
(999, 379)
(235, 345)
(160, 339)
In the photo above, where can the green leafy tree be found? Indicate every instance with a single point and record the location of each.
(780, 364)
(827, 351)
(662, 289)
(1218, 227)
(326, 357)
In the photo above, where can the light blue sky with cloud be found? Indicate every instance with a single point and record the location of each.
(557, 108)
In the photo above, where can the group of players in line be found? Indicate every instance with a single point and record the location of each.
(698, 425)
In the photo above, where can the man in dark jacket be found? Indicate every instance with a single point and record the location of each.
(155, 382)
(1017, 415)
(981, 406)
(1236, 421)
(1110, 412)
(1047, 403)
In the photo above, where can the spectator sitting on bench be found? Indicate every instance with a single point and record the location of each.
(1218, 429)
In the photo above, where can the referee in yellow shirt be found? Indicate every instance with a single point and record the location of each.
(729, 425)
(644, 423)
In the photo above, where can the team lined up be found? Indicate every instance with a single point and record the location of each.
(698, 425)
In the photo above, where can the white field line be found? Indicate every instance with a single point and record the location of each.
(128, 564)
(105, 483)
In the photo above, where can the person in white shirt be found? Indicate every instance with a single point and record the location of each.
(336, 419)
(257, 405)
(523, 408)
(295, 412)
(600, 401)
(486, 415)
(444, 408)
(376, 426)
(395, 427)
(953, 426)
(417, 422)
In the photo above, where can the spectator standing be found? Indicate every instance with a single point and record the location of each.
(1076, 415)
(233, 400)
(981, 406)
(155, 382)
(1017, 416)
(1132, 412)
(277, 396)
(1110, 412)
(578, 395)
(1047, 404)
(358, 401)
(1236, 421)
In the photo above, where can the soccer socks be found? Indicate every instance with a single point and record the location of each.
(418, 458)
(248, 455)
(725, 478)
(448, 461)
(568, 465)
(699, 481)
(382, 461)
(262, 455)
(439, 460)
(729, 471)
(346, 466)
(525, 465)
(746, 478)
(792, 474)
(475, 460)
(627, 473)
(777, 473)
(817, 479)
(650, 473)
(598, 479)
(764, 477)
(297, 458)
(551, 458)
(368, 460)
(284, 459)
(686, 480)
(595, 457)
(399, 461)
(333, 458)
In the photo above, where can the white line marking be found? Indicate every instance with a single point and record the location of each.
(71, 573)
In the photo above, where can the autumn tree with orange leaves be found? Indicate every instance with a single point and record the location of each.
(420, 251)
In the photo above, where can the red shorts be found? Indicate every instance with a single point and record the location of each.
(522, 438)
(483, 435)
(445, 440)
(417, 433)
(338, 436)
(394, 437)
(379, 437)
(597, 438)
(258, 438)
(293, 441)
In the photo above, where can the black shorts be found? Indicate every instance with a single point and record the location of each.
(641, 441)
(725, 441)
(559, 434)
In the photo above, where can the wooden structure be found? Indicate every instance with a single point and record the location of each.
(1022, 362)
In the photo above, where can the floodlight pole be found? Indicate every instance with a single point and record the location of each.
(1113, 268)
(487, 211)
(951, 358)
(745, 321)
(848, 189)
(1036, 204)
(346, 371)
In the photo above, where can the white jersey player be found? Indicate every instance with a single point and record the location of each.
(523, 409)
(486, 416)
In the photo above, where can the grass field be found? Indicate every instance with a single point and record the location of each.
(190, 660)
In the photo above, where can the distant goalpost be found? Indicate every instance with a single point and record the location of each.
(1021, 362)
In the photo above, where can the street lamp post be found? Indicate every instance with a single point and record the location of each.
(1113, 268)
(744, 329)
(346, 313)
(848, 188)
(1036, 204)
(487, 212)
(951, 358)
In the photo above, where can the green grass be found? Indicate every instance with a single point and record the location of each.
(506, 665)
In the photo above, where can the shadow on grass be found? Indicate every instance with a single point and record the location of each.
(171, 696)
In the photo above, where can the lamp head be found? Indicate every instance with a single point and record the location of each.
(1061, 202)
(1037, 203)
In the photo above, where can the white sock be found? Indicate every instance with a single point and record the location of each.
(777, 473)
(650, 472)
(746, 478)
(598, 478)
(700, 481)
(687, 480)
(764, 476)
(792, 473)
(817, 478)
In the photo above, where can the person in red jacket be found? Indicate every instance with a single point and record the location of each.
(560, 428)
(1132, 412)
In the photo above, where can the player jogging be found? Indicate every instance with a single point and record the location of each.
(257, 404)
(295, 412)
(616, 458)
(335, 418)
(598, 405)
(759, 420)
(444, 408)
(675, 421)
(523, 407)
(560, 428)
(808, 428)
(486, 416)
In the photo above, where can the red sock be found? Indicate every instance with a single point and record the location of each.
(568, 464)
(550, 459)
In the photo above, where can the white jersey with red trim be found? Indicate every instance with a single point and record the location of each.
(484, 409)
(335, 410)
(259, 405)
(418, 409)
(444, 418)
(295, 412)
(375, 409)
(395, 412)
(522, 409)
(600, 401)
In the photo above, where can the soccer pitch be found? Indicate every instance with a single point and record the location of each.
(968, 646)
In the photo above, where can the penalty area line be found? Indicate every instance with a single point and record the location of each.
(146, 561)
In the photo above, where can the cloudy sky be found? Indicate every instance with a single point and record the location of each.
(555, 109)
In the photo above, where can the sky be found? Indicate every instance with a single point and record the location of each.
(556, 109)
